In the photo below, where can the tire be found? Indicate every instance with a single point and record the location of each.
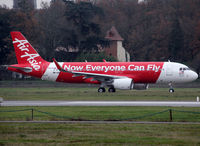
(171, 90)
(111, 90)
(101, 90)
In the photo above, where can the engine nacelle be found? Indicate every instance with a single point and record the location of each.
(141, 86)
(125, 83)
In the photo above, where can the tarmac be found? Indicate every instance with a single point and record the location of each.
(102, 103)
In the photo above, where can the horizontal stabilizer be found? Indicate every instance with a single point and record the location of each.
(25, 69)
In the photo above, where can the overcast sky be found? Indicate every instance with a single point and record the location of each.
(9, 3)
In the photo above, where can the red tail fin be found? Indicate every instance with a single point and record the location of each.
(25, 53)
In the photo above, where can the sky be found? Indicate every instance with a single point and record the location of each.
(9, 3)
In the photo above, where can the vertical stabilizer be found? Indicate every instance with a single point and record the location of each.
(25, 53)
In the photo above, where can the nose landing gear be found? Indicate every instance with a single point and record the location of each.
(171, 90)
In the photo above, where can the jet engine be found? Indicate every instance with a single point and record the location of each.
(128, 84)
(141, 86)
(125, 83)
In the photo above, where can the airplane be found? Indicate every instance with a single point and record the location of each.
(115, 75)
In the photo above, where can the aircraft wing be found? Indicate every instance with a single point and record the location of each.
(95, 76)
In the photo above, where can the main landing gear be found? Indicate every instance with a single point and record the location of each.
(111, 89)
(102, 89)
(171, 90)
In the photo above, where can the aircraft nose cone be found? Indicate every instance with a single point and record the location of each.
(194, 76)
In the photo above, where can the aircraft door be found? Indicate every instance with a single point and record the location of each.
(169, 70)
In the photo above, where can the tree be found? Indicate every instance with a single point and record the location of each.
(52, 25)
(94, 57)
(5, 30)
(25, 6)
(195, 48)
(176, 41)
(85, 32)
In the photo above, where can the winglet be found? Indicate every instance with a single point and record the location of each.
(58, 65)
(104, 60)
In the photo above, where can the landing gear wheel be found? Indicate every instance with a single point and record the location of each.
(101, 89)
(111, 90)
(171, 90)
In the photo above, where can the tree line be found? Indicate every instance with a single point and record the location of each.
(154, 30)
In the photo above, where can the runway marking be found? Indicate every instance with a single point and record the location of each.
(102, 103)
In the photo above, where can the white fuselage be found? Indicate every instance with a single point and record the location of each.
(173, 72)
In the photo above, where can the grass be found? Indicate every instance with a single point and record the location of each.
(101, 113)
(98, 113)
(80, 93)
(99, 134)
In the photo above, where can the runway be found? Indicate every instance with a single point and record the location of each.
(102, 103)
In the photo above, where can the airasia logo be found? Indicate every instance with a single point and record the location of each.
(23, 47)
